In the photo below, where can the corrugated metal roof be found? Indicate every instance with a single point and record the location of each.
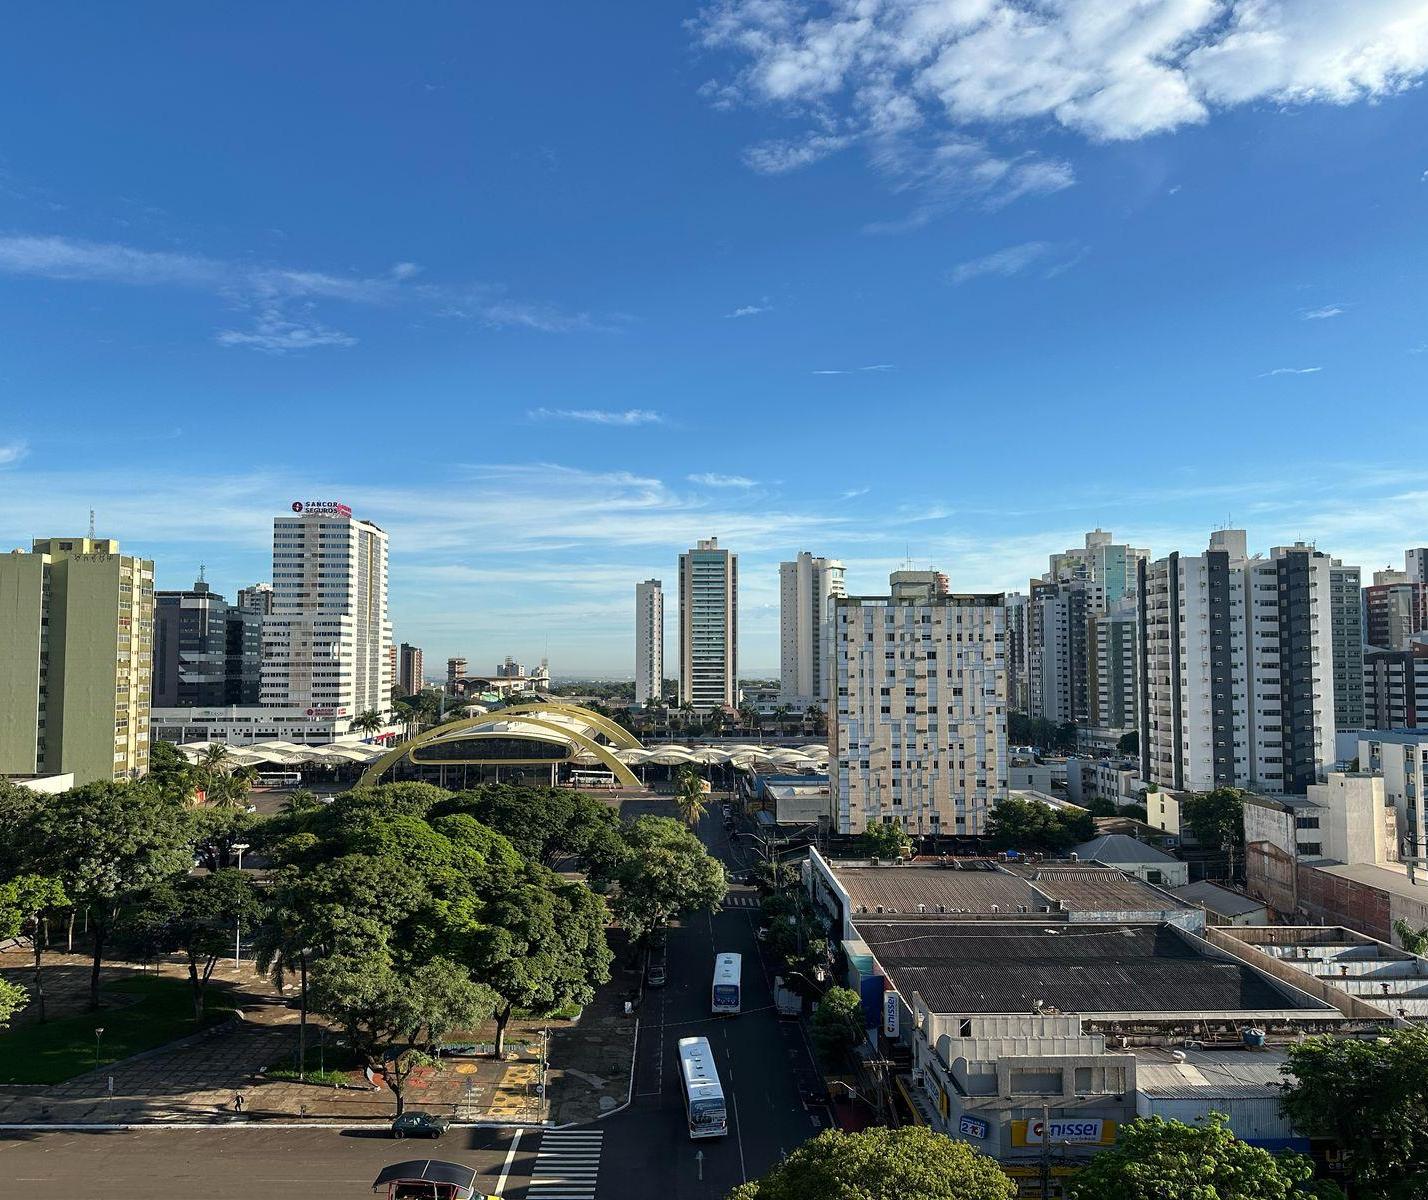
(1241, 1074)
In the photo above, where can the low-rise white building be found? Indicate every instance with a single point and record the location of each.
(1136, 858)
(1114, 779)
(242, 725)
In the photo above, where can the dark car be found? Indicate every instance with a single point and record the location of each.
(656, 976)
(420, 1124)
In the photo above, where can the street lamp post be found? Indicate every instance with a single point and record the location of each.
(238, 848)
(98, 1033)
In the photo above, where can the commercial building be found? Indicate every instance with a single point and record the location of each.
(1395, 612)
(806, 586)
(649, 642)
(207, 652)
(1222, 905)
(76, 657)
(917, 721)
(1236, 668)
(256, 598)
(1134, 857)
(708, 626)
(1400, 758)
(1396, 687)
(248, 724)
(1346, 620)
(409, 669)
(325, 644)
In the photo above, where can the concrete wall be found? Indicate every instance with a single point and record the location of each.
(1337, 901)
(1305, 982)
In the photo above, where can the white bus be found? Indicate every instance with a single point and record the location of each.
(703, 1097)
(725, 995)
(279, 779)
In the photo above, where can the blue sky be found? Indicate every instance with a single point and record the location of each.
(549, 291)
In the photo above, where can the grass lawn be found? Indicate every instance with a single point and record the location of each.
(62, 1048)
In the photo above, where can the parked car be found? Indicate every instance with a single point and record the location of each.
(657, 976)
(420, 1124)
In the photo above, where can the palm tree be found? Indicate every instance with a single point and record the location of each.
(369, 722)
(814, 715)
(781, 714)
(751, 718)
(689, 796)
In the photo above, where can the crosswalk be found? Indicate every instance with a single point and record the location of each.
(740, 900)
(566, 1166)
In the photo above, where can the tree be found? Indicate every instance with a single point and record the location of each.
(1415, 941)
(541, 946)
(886, 839)
(689, 797)
(12, 999)
(200, 918)
(24, 903)
(1154, 1158)
(838, 1023)
(1033, 825)
(816, 719)
(369, 722)
(881, 1164)
(545, 824)
(1371, 1097)
(170, 773)
(1216, 818)
(107, 843)
(215, 831)
(1129, 743)
(394, 1018)
(662, 872)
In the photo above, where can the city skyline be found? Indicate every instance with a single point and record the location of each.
(820, 293)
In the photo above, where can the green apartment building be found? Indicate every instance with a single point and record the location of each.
(76, 657)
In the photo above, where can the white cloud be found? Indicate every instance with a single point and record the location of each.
(854, 493)
(1292, 371)
(13, 451)
(1051, 257)
(855, 370)
(1322, 314)
(598, 416)
(715, 480)
(278, 298)
(750, 310)
(922, 74)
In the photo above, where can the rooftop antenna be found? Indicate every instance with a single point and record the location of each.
(91, 522)
(200, 573)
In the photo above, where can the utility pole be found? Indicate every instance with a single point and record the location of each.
(1046, 1152)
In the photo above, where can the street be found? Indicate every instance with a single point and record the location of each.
(643, 1151)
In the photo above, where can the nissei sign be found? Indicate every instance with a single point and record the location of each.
(890, 1014)
(973, 1127)
(1080, 1131)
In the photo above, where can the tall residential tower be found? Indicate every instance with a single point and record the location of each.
(806, 585)
(708, 626)
(649, 641)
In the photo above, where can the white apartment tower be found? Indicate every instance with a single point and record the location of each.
(708, 626)
(806, 585)
(649, 641)
(1236, 668)
(325, 643)
(918, 720)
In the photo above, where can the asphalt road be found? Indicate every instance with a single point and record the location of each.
(253, 1163)
(761, 1061)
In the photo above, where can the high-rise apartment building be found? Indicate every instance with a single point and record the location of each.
(1018, 680)
(1236, 668)
(1110, 563)
(1415, 564)
(806, 585)
(1111, 644)
(207, 653)
(456, 668)
(1347, 617)
(708, 626)
(1396, 688)
(649, 642)
(325, 644)
(918, 718)
(256, 598)
(76, 654)
(409, 669)
(1394, 611)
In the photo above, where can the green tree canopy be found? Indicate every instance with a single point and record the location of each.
(1032, 825)
(107, 843)
(1216, 818)
(663, 871)
(24, 903)
(545, 824)
(394, 1017)
(881, 1164)
(1154, 1158)
(838, 1023)
(540, 946)
(1371, 1097)
(690, 797)
(884, 839)
(1129, 743)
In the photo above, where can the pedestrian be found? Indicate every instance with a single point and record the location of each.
(238, 1103)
